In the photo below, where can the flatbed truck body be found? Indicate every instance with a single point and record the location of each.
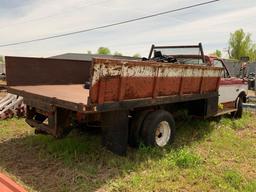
(122, 95)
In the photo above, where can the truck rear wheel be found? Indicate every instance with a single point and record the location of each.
(158, 129)
(135, 128)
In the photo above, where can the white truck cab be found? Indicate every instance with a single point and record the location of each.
(232, 90)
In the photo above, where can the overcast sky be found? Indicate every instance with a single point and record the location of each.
(22, 20)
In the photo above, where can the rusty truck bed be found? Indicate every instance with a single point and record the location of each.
(114, 84)
(70, 96)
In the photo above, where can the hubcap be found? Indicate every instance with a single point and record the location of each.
(163, 133)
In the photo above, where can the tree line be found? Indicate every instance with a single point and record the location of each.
(240, 44)
(106, 51)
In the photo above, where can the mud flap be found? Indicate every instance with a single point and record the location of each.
(115, 131)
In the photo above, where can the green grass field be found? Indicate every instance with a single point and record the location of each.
(206, 156)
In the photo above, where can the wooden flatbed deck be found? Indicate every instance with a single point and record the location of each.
(70, 96)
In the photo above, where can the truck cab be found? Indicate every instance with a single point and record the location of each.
(232, 90)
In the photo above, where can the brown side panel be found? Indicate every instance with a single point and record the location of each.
(138, 87)
(169, 86)
(210, 84)
(44, 71)
(117, 80)
(135, 88)
(191, 85)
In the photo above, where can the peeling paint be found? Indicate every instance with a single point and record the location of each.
(115, 80)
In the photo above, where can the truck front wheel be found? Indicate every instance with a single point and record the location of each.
(158, 129)
(239, 106)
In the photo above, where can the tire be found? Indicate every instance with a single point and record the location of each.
(158, 129)
(135, 128)
(239, 105)
(40, 118)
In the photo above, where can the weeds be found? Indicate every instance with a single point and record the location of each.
(233, 178)
(186, 159)
(250, 186)
(206, 156)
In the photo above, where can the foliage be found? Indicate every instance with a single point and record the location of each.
(104, 51)
(218, 53)
(137, 55)
(118, 53)
(241, 44)
(186, 159)
(233, 178)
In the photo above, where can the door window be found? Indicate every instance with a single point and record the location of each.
(218, 63)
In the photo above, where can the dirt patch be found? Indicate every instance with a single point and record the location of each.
(37, 170)
(251, 93)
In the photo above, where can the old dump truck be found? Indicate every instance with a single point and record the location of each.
(132, 101)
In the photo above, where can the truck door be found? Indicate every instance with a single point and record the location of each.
(230, 87)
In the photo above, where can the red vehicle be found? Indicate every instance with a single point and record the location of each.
(232, 90)
(131, 100)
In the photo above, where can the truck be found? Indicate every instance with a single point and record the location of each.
(132, 100)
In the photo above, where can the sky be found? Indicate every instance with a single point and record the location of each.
(22, 20)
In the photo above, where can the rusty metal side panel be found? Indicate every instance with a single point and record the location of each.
(44, 71)
(8, 185)
(117, 80)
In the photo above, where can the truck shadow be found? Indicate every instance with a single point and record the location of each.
(79, 162)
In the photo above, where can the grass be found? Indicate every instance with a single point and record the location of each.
(186, 159)
(206, 156)
(233, 178)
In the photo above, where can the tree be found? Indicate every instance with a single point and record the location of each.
(241, 44)
(137, 55)
(252, 53)
(118, 53)
(104, 51)
(217, 53)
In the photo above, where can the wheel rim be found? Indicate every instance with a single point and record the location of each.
(163, 133)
